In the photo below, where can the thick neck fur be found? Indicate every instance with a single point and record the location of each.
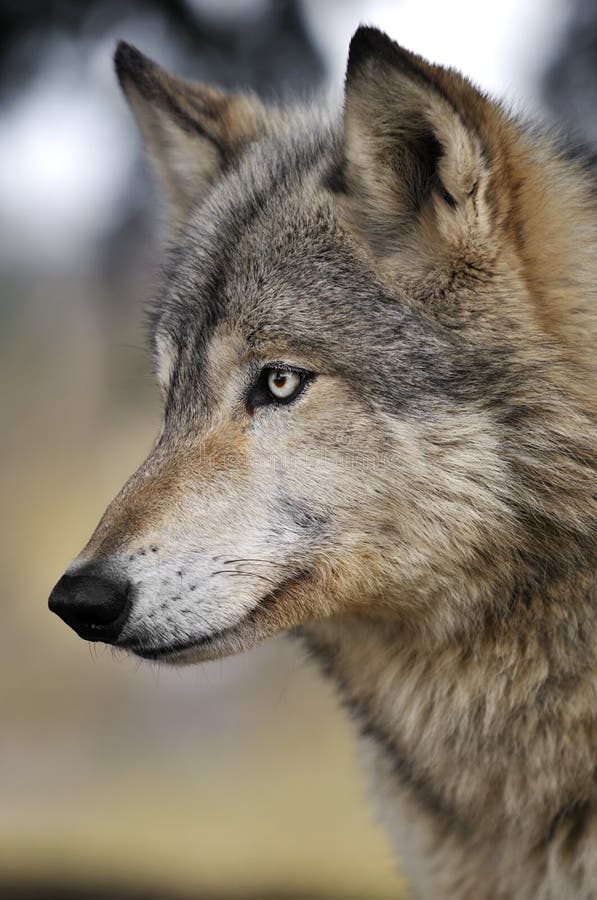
(486, 741)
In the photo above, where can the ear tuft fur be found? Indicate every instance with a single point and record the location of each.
(192, 132)
(131, 65)
(372, 44)
(366, 43)
(415, 169)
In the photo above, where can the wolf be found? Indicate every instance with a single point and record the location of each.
(375, 344)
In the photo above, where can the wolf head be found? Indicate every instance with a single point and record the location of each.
(370, 343)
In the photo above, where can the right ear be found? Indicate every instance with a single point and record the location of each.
(418, 146)
(192, 132)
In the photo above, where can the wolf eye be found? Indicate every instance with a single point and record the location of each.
(278, 385)
(283, 384)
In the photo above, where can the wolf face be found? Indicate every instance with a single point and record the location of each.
(359, 341)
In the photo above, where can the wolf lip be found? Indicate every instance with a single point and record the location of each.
(168, 650)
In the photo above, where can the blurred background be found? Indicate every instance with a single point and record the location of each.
(238, 779)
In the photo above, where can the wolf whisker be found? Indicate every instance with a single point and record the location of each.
(249, 574)
(249, 559)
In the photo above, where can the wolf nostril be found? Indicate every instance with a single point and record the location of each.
(94, 607)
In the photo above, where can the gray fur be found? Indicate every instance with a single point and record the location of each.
(423, 515)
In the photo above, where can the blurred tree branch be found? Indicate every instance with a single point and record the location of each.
(266, 46)
(570, 83)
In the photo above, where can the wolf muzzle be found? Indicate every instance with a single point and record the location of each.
(94, 606)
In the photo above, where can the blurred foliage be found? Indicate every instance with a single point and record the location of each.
(570, 83)
(62, 891)
(266, 46)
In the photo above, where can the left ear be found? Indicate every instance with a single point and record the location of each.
(192, 131)
(416, 167)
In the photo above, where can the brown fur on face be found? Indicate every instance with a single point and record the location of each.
(151, 497)
(424, 513)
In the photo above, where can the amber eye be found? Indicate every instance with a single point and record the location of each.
(283, 384)
(278, 385)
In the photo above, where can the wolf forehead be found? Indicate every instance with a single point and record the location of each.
(268, 258)
(266, 251)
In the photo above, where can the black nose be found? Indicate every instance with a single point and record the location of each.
(95, 607)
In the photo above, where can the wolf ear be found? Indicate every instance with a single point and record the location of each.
(414, 160)
(192, 131)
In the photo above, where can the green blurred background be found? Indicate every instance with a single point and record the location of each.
(240, 778)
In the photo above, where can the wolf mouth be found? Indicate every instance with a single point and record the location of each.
(169, 650)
